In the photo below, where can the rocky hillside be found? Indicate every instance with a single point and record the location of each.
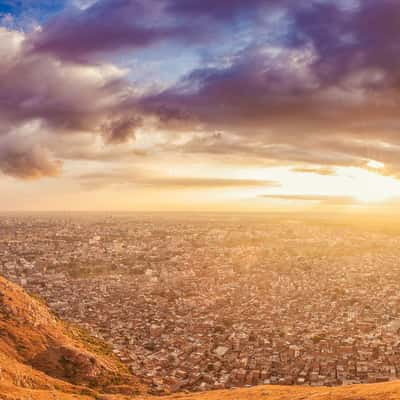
(42, 358)
(39, 351)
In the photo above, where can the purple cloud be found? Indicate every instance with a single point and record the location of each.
(41, 97)
(320, 92)
(112, 25)
(108, 26)
(26, 161)
(328, 93)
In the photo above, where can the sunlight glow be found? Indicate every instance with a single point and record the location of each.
(375, 164)
(372, 187)
(364, 185)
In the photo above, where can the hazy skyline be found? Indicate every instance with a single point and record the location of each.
(198, 104)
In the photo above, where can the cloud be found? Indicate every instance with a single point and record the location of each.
(27, 161)
(326, 171)
(99, 180)
(71, 98)
(222, 10)
(315, 83)
(107, 26)
(329, 91)
(208, 183)
(41, 96)
(321, 199)
(120, 130)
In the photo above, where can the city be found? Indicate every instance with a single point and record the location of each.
(213, 301)
(199, 200)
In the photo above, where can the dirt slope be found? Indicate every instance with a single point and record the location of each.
(383, 391)
(42, 358)
(32, 336)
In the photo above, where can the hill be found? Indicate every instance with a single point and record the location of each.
(43, 358)
(39, 351)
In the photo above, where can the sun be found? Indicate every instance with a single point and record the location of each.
(361, 186)
(370, 186)
(372, 197)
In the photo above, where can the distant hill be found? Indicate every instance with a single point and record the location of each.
(43, 358)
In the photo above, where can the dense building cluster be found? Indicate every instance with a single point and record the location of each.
(214, 301)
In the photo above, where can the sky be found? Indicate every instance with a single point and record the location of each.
(208, 105)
